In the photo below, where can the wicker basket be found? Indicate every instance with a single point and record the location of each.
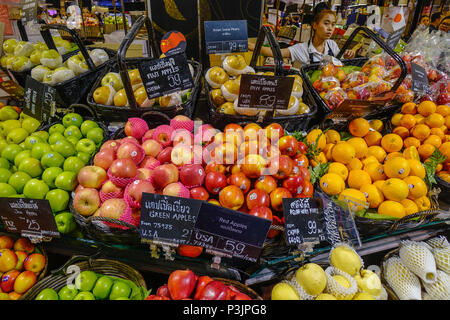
(59, 278)
(110, 28)
(86, 32)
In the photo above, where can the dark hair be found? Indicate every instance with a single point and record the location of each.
(435, 16)
(319, 7)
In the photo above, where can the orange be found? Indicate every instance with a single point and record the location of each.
(332, 184)
(379, 184)
(358, 178)
(445, 150)
(447, 121)
(315, 134)
(426, 108)
(357, 199)
(417, 187)
(338, 168)
(411, 141)
(395, 120)
(421, 131)
(411, 153)
(420, 119)
(410, 206)
(423, 203)
(327, 150)
(373, 138)
(369, 159)
(403, 132)
(359, 127)
(393, 155)
(320, 158)
(426, 150)
(355, 164)
(438, 132)
(378, 152)
(395, 189)
(343, 152)
(408, 121)
(439, 167)
(392, 142)
(443, 110)
(397, 167)
(434, 140)
(409, 108)
(435, 120)
(416, 168)
(375, 171)
(376, 124)
(373, 195)
(332, 136)
(360, 146)
(392, 209)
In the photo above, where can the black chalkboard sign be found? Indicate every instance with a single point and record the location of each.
(419, 78)
(226, 36)
(166, 75)
(30, 217)
(167, 219)
(265, 92)
(302, 220)
(230, 232)
(40, 100)
(394, 38)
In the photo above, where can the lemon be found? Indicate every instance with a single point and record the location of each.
(312, 278)
(345, 259)
(284, 291)
(325, 296)
(332, 183)
(338, 168)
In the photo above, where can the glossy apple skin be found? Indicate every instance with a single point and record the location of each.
(8, 260)
(92, 176)
(86, 201)
(266, 183)
(261, 212)
(294, 184)
(276, 198)
(215, 181)
(21, 256)
(189, 251)
(35, 262)
(24, 281)
(241, 181)
(123, 168)
(6, 242)
(231, 197)
(165, 156)
(181, 284)
(137, 187)
(8, 279)
(257, 198)
(23, 244)
(285, 166)
(201, 283)
(274, 131)
(288, 145)
(104, 158)
(164, 175)
(199, 193)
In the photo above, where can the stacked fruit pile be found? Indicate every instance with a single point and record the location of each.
(420, 270)
(425, 127)
(111, 19)
(90, 285)
(44, 164)
(344, 279)
(225, 84)
(20, 266)
(186, 285)
(373, 170)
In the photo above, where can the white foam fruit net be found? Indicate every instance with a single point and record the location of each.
(405, 284)
(440, 289)
(438, 242)
(336, 289)
(442, 258)
(299, 289)
(419, 259)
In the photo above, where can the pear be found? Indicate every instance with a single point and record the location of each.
(23, 48)
(369, 282)
(21, 63)
(51, 59)
(104, 95)
(284, 291)
(9, 46)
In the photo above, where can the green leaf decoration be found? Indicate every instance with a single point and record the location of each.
(318, 171)
(430, 166)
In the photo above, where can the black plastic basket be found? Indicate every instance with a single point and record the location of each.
(444, 195)
(113, 113)
(324, 109)
(290, 123)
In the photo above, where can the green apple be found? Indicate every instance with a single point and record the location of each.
(3, 144)
(21, 63)
(87, 125)
(47, 294)
(17, 135)
(8, 125)
(52, 159)
(73, 140)
(18, 180)
(39, 149)
(57, 127)
(23, 116)
(30, 124)
(84, 295)
(68, 292)
(4, 175)
(8, 113)
(86, 145)
(49, 176)
(113, 79)
(31, 166)
(40, 46)
(13, 169)
(55, 137)
(31, 140)
(10, 151)
(72, 119)
(102, 287)
(65, 222)
(59, 199)
(96, 135)
(66, 180)
(22, 155)
(85, 281)
(22, 145)
(6, 190)
(35, 189)
(4, 163)
(73, 131)
(84, 156)
(43, 135)
(65, 148)
(73, 164)
(119, 289)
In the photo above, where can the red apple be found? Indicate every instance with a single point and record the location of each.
(109, 187)
(123, 168)
(6, 242)
(129, 150)
(266, 183)
(199, 193)
(112, 208)
(288, 145)
(34, 262)
(21, 256)
(182, 155)
(143, 173)
(192, 175)
(8, 260)
(274, 131)
(163, 291)
(257, 198)
(24, 281)
(148, 135)
(253, 166)
(165, 155)
(262, 212)
(308, 190)
(87, 201)
(164, 174)
(104, 158)
(92, 176)
(128, 139)
(240, 180)
(214, 290)
(137, 187)
(215, 181)
(110, 144)
(181, 284)
(149, 162)
(294, 184)
(186, 250)
(8, 279)
(151, 147)
(231, 197)
(276, 198)
(284, 164)
(135, 127)
(23, 244)
(78, 188)
(176, 189)
(201, 283)
(214, 201)
(182, 136)
(214, 167)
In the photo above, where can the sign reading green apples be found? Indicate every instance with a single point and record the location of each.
(40, 100)
(29, 217)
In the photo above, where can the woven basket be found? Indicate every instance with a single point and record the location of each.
(241, 287)
(59, 278)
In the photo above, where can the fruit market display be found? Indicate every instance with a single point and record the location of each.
(43, 164)
(90, 285)
(118, 19)
(343, 278)
(21, 263)
(225, 83)
(420, 270)
(186, 285)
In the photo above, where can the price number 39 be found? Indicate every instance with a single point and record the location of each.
(233, 246)
(312, 227)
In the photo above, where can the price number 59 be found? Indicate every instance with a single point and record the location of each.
(232, 246)
(174, 80)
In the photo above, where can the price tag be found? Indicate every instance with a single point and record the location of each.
(166, 75)
(419, 78)
(265, 92)
(12, 88)
(167, 219)
(40, 100)
(29, 10)
(394, 38)
(230, 232)
(30, 217)
(226, 36)
(302, 220)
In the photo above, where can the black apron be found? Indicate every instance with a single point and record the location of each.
(311, 54)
